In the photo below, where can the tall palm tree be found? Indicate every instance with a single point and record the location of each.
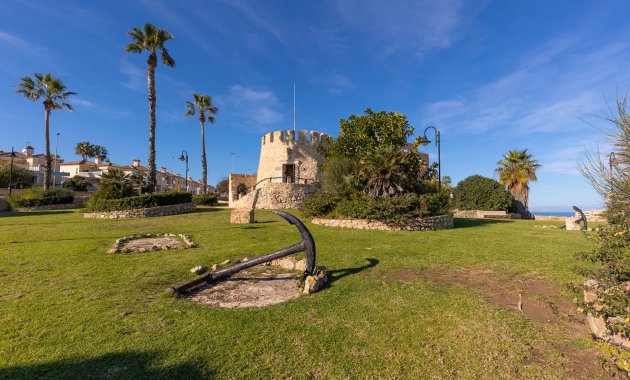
(151, 39)
(53, 92)
(203, 104)
(100, 152)
(516, 170)
(384, 171)
(84, 149)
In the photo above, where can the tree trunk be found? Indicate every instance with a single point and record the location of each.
(47, 165)
(151, 64)
(204, 166)
(521, 195)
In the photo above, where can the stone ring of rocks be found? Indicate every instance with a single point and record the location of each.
(263, 285)
(151, 242)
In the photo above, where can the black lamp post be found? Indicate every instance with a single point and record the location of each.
(11, 171)
(184, 157)
(424, 141)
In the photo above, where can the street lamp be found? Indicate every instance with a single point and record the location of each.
(424, 141)
(232, 170)
(11, 171)
(184, 157)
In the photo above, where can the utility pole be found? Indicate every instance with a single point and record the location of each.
(56, 160)
(11, 171)
(293, 106)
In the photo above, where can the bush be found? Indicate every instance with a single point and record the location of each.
(205, 199)
(140, 201)
(76, 183)
(482, 193)
(436, 203)
(36, 197)
(115, 184)
(321, 204)
(20, 177)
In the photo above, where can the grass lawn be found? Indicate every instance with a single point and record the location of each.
(70, 310)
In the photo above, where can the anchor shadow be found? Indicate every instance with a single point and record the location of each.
(338, 274)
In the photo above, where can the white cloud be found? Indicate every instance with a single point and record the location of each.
(251, 109)
(136, 78)
(547, 92)
(410, 26)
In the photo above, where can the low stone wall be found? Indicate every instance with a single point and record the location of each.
(481, 214)
(277, 195)
(63, 206)
(432, 223)
(143, 212)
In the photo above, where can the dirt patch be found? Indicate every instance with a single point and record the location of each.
(540, 302)
(249, 289)
(151, 242)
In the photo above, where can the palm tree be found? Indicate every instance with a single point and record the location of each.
(516, 170)
(99, 152)
(203, 104)
(53, 92)
(384, 171)
(152, 40)
(84, 149)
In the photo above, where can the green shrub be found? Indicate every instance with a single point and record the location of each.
(436, 203)
(205, 199)
(321, 204)
(140, 201)
(76, 183)
(36, 197)
(20, 177)
(482, 193)
(115, 184)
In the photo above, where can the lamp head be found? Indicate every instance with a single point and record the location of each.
(182, 158)
(424, 141)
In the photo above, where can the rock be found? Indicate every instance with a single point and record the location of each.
(592, 283)
(286, 263)
(214, 267)
(310, 285)
(300, 265)
(597, 326)
(590, 296)
(225, 262)
(245, 259)
(198, 269)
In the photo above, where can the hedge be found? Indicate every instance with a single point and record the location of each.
(140, 201)
(36, 197)
(205, 200)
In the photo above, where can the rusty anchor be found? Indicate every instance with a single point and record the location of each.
(306, 245)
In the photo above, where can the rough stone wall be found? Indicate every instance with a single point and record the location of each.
(143, 212)
(242, 216)
(284, 147)
(276, 195)
(433, 223)
(48, 207)
(249, 180)
(481, 214)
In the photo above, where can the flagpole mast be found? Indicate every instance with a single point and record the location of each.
(293, 106)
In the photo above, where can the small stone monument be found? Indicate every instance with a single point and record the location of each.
(242, 216)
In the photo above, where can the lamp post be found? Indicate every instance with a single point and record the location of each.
(232, 157)
(56, 158)
(11, 171)
(424, 141)
(184, 157)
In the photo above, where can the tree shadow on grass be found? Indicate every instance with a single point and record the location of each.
(338, 274)
(466, 222)
(201, 209)
(123, 365)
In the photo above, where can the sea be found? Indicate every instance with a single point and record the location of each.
(554, 213)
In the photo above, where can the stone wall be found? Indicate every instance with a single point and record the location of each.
(481, 214)
(234, 180)
(63, 206)
(143, 212)
(277, 195)
(433, 223)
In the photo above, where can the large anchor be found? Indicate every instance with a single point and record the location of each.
(581, 219)
(306, 245)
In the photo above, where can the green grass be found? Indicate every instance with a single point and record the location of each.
(69, 310)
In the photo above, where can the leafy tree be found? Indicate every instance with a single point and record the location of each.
(151, 39)
(386, 171)
(115, 184)
(84, 149)
(54, 93)
(482, 193)
(76, 183)
(360, 135)
(20, 177)
(202, 104)
(516, 170)
(223, 186)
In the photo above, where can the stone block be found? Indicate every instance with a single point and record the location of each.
(242, 216)
(571, 224)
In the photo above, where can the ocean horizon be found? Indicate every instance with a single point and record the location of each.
(553, 213)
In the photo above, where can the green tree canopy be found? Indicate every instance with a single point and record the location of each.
(481, 193)
(20, 177)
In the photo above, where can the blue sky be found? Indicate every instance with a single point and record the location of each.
(491, 75)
